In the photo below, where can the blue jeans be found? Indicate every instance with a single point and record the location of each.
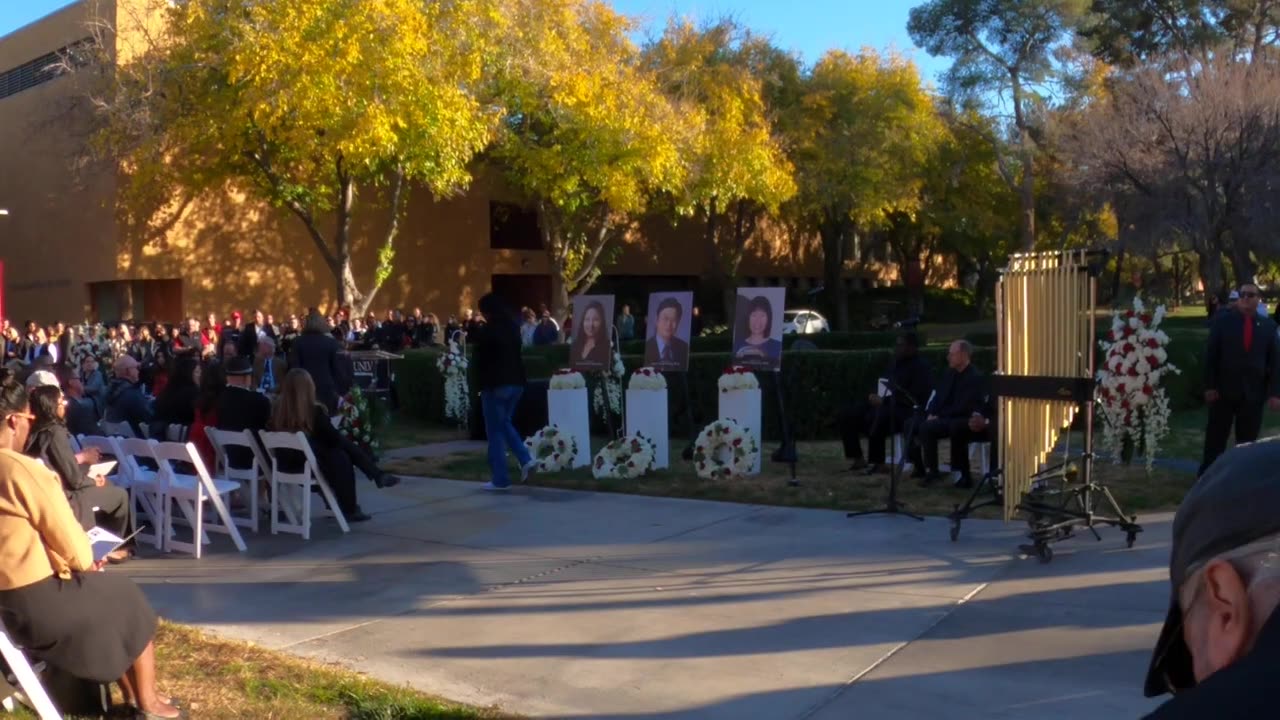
(499, 406)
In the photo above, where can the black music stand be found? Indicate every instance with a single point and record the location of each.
(892, 506)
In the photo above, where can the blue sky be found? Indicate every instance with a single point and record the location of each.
(806, 26)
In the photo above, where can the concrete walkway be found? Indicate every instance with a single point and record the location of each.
(578, 605)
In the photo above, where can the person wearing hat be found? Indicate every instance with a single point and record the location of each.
(241, 407)
(1241, 374)
(1219, 649)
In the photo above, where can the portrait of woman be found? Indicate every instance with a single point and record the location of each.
(590, 349)
(754, 341)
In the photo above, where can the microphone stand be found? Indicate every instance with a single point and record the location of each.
(892, 506)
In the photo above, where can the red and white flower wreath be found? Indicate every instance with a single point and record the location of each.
(723, 438)
(552, 449)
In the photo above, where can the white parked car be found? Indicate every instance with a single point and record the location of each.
(804, 322)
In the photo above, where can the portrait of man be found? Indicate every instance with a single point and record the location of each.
(669, 324)
(590, 350)
(757, 327)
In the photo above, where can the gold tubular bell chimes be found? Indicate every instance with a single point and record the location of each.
(1044, 308)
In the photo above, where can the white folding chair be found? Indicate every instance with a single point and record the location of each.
(110, 447)
(190, 493)
(116, 429)
(176, 433)
(34, 692)
(983, 451)
(251, 477)
(293, 490)
(147, 489)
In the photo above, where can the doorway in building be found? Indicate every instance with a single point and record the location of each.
(136, 301)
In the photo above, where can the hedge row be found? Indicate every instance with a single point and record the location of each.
(816, 386)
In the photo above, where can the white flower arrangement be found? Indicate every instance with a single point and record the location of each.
(738, 378)
(646, 378)
(626, 458)
(724, 450)
(608, 392)
(453, 366)
(1135, 408)
(552, 449)
(567, 380)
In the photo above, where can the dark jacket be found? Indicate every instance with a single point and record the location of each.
(51, 444)
(317, 353)
(241, 409)
(497, 357)
(1237, 375)
(960, 395)
(1243, 690)
(82, 416)
(323, 439)
(248, 341)
(679, 352)
(914, 375)
(176, 406)
(126, 403)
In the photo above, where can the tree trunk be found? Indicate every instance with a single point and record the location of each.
(1246, 270)
(1027, 191)
(834, 231)
(1115, 279)
(1211, 275)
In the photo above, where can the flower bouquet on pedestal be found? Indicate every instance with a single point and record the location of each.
(738, 378)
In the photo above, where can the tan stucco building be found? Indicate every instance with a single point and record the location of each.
(68, 254)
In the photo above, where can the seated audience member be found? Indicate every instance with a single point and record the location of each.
(961, 398)
(177, 404)
(92, 625)
(296, 410)
(94, 382)
(50, 442)
(212, 383)
(268, 370)
(240, 407)
(157, 376)
(125, 399)
(82, 411)
(1220, 645)
(879, 418)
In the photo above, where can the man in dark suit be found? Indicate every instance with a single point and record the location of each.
(1241, 374)
(252, 333)
(960, 400)
(879, 417)
(317, 352)
(240, 407)
(665, 351)
(268, 370)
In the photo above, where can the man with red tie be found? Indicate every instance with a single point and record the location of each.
(1242, 373)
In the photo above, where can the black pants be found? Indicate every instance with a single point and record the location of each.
(924, 451)
(113, 508)
(1244, 413)
(863, 419)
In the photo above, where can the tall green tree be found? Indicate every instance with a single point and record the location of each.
(589, 136)
(863, 131)
(310, 105)
(1133, 32)
(738, 171)
(1004, 53)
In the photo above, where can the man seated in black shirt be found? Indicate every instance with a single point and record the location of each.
(958, 407)
(877, 417)
(242, 408)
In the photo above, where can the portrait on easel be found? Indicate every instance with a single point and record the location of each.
(592, 333)
(757, 327)
(669, 325)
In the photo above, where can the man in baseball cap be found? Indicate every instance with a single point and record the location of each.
(1219, 650)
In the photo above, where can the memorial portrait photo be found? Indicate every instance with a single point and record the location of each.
(757, 327)
(592, 331)
(668, 328)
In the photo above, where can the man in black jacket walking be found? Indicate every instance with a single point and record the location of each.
(879, 417)
(317, 352)
(1241, 374)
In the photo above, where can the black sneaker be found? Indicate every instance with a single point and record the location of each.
(386, 480)
(358, 517)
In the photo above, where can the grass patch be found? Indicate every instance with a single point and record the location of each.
(825, 482)
(223, 679)
(403, 430)
(1187, 427)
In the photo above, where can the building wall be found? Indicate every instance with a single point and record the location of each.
(229, 251)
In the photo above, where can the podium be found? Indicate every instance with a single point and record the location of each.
(372, 372)
(647, 415)
(569, 411)
(743, 407)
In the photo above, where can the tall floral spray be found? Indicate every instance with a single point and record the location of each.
(1135, 408)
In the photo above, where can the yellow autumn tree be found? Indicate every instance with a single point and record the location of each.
(864, 130)
(311, 105)
(588, 135)
(737, 170)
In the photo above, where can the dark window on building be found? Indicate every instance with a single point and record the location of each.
(46, 67)
(512, 227)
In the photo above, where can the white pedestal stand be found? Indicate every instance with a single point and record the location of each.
(647, 415)
(743, 407)
(568, 410)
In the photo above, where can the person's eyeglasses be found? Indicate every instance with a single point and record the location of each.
(1248, 294)
(26, 415)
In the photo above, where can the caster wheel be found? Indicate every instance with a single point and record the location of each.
(1130, 538)
(1045, 553)
(955, 531)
